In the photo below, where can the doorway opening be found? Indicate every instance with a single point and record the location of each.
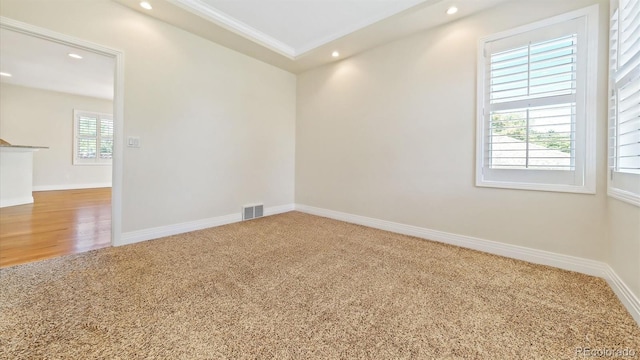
(77, 178)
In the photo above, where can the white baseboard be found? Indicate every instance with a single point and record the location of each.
(273, 210)
(626, 296)
(70, 186)
(566, 262)
(168, 230)
(16, 201)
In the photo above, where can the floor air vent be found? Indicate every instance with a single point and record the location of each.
(252, 211)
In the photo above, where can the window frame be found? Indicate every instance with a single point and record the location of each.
(623, 186)
(583, 178)
(90, 162)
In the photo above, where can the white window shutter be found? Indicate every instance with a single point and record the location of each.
(536, 129)
(532, 106)
(629, 25)
(93, 138)
(628, 124)
(624, 103)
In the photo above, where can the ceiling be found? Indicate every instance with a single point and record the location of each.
(43, 64)
(294, 27)
(297, 35)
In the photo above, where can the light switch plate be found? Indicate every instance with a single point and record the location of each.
(133, 141)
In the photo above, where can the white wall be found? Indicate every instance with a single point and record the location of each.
(624, 237)
(37, 117)
(217, 128)
(390, 134)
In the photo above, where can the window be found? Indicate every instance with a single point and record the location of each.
(624, 102)
(536, 105)
(93, 138)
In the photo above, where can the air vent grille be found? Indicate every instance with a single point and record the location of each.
(258, 211)
(252, 211)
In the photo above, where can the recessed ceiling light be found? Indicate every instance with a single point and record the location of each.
(5, 74)
(75, 56)
(452, 10)
(146, 5)
(335, 54)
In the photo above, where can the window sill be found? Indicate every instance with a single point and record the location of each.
(92, 164)
(625, 196)
(536, 187)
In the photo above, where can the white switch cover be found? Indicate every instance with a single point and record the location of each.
(133, 141)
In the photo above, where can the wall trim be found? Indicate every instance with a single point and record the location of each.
(622, 195)
(70, 187)
(16, 201)
(566, 262)
(133, 237)
(624, 293)
(542, 257)
(208, 12)
(274, 210)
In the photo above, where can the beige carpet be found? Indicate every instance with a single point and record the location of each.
(296, 286)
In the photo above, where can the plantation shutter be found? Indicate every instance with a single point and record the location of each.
(87, 137)
(628, 139)
(629, 30)
(625, 98)
(624, 102)
(532, 105)
(106, 137)
(536, 127)
(93, 140)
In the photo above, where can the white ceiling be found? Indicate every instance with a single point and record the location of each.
(297, 35)
(44, 64)
(294, 27)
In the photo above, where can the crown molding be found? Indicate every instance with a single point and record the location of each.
(201, 19)
(200, 8)
(206, 11)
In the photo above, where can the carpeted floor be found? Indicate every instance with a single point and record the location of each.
(296, 286)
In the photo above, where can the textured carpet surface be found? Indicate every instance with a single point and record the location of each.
(296, 286)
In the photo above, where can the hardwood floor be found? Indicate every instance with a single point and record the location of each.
(57, 223)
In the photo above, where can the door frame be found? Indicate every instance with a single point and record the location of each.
(118, 107)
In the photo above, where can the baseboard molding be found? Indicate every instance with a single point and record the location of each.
(566, 262)
(16, 201)
(70, 187)
(274, 210)
(626, 296)
(133, 237)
